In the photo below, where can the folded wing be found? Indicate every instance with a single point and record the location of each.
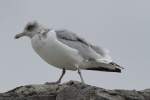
(97, 58)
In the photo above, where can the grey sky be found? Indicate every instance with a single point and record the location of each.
(122, 26)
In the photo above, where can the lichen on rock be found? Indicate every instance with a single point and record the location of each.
(72, 90)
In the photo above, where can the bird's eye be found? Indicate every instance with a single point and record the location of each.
(30, 27)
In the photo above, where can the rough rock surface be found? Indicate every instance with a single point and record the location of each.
(72, 90)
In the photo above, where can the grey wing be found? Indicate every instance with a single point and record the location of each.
(85, 49)
(103, 52)
(99, 50)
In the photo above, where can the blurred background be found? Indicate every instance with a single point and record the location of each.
(122, 26)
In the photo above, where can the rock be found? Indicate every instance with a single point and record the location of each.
(72, 90)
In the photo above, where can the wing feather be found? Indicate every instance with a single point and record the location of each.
(87, 50)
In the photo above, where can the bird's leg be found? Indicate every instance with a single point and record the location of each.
(63, 73)
(80, 74)
(59, 80)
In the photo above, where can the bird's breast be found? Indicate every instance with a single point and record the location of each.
(55, 53)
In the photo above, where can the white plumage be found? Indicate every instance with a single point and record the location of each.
(54, 52)
(65, 50)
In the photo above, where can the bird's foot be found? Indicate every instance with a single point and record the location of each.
(52, 83)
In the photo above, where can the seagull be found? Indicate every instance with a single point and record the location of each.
(65, 50)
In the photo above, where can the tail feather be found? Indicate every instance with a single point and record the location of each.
(111, 67)
(105, 69)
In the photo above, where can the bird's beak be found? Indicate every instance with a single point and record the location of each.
(19, 35)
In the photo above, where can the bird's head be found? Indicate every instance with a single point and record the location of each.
(31, 29)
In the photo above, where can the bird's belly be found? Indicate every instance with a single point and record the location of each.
(57, 54)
